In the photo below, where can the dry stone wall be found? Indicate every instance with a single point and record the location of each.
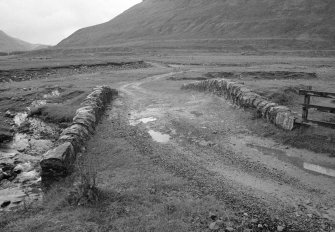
(281, 116)
(58, 162)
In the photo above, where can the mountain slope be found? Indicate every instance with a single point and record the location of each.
(10, 44)
(311, 21)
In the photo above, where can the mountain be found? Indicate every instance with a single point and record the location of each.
(298, 23)
(10, 44)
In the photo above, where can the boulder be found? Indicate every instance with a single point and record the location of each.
(58, 162)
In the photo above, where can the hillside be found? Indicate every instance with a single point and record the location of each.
(296, 23)
(10, 44)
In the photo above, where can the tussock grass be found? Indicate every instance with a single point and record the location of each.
(287, 95)
(56, 113)
(317, 139)
(135, 206)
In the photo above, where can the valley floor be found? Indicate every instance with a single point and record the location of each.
(166, 159)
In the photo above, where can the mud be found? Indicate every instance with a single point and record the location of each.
(296, 160)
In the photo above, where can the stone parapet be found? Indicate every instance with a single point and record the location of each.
(240, 95)
(58, 162)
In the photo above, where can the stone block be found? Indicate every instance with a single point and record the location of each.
(58, 162)
(285, 120)
(78, 130)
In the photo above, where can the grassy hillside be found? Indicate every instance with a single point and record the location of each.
(300, 24)
(10, 44)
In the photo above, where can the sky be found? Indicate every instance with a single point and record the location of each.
(50, 21)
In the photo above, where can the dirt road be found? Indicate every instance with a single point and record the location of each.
(204, 142)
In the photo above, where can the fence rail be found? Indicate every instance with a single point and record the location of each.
(306, 106)
(312, 93)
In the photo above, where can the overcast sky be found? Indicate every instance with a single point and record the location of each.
(50, 21)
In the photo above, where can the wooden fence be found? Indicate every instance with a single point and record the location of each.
(306, 106)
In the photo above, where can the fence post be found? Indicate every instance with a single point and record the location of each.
(307, 101)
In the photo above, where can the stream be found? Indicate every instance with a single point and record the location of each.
(20, 180)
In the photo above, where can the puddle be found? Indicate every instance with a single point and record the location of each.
(296, 161)
(319, 169)
(147, 120)
(159, 137)
(142, 120)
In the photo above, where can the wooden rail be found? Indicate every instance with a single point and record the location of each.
(312, 93)
(306, 106)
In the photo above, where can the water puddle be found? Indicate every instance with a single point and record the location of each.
(142, 120)
(296, 161)
(147, 120)
(159, 137)
(319, 169)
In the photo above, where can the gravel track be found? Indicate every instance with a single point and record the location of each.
(206, 143)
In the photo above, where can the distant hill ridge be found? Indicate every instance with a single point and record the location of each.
(11, 44)
(306, 21)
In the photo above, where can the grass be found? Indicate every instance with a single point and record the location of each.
(55, 113)
(317, 139)
(287, 96)
(145, 200)
(135, 194)
(121, 212)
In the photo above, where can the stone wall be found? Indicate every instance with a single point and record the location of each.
(281, 116)
(58, 162)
